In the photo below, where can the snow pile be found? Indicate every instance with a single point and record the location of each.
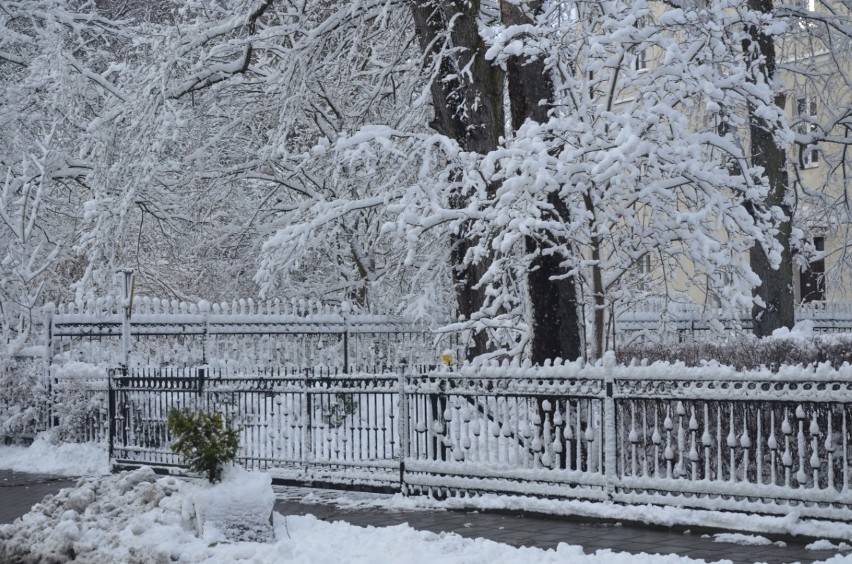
(136, 517)
(803, 329)
(825, 544)
(113, 519)
(66, 459)
(747, 540)
(237, 508)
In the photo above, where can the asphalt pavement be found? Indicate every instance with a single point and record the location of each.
(19, 491)
(548, 532)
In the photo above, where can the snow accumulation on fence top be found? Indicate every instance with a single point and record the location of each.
(607, 368)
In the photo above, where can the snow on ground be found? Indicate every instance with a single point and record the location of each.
(130, 517)
(137, 517)
(66, 459)
(825, 544)
(748, 540)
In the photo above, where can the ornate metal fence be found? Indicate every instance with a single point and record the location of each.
(300, 425)
(694, 437)
(521, 431)
(706, 438)
(294, 334)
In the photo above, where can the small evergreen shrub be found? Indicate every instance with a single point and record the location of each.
(205, 440)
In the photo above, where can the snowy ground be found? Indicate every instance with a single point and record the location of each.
(64, 459)
(140, 517)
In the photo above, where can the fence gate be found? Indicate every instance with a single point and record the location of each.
(303, 426)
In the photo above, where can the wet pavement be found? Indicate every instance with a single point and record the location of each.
(548, 532)
(19, 491)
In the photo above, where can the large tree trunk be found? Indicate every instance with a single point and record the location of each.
(776, 289)
(468, 108)
(555, 330)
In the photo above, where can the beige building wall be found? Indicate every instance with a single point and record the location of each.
(816, 71)
(816, 68)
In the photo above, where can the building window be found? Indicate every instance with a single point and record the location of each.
(643, 273)
(812, 280)
(806, 112)
(641, 61)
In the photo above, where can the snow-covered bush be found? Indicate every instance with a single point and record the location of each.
(205, 440)
(23, 399)
(78, 403)
(747, 352)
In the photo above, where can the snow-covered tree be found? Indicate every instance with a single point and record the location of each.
(368, 152)
(633, 151)
(53, 55)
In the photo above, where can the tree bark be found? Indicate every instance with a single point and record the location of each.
(776, 289)
(469, 109)
(555, 328)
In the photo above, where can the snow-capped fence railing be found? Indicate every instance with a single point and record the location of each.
(708, 437)
(154, 332)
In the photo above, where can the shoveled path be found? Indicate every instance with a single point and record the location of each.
(542, 532)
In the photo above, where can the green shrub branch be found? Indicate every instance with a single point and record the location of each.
(205, 440)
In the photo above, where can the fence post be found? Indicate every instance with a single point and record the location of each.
(610, 433)
(200, 375)
(125, 322)
(111, 414)
(344, 308)
(49, 310)
(204, 306)
(402, 427)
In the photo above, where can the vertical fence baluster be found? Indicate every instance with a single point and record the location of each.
(759, 448)
(579, 437)
(680, 467)
(307, 439)
(732, 445)
(645, 439)
(801, 475)
(829, 448)
(772, 444)
(693, 448)
(403, 423)
(845, 436)
(745, 444)
(668, 425)
(815, 460)
(787, 458)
